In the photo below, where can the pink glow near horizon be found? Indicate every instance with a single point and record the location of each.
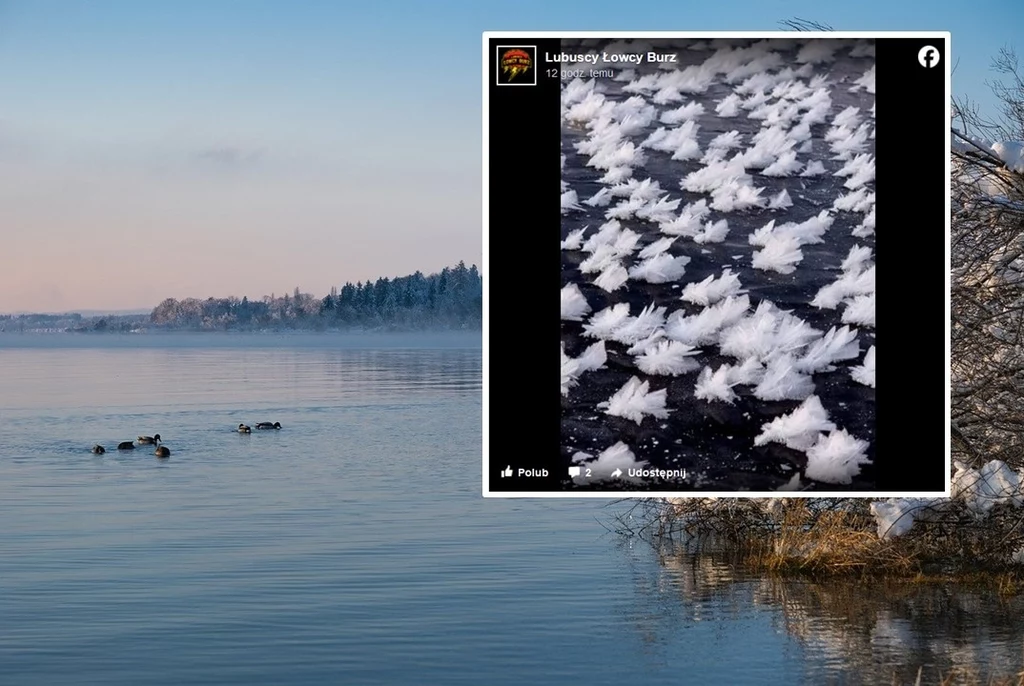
(77, 238)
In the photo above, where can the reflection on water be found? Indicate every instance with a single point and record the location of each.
(851, 632)
(353, 546)
(75, 380)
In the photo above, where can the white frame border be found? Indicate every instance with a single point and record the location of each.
(526, 36)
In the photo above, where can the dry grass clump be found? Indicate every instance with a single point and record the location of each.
(837, 536)
(830, 541)
(963, 676)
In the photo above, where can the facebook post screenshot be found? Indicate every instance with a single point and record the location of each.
(711, 206)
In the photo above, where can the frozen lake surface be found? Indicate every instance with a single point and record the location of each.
(711, 439)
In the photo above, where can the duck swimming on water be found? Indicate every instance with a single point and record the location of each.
(243, 429)
(98, 449)
(268, 425)
(149, 439)
(162, 451)
(126, 445)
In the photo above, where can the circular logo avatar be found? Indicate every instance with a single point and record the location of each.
(515, 62)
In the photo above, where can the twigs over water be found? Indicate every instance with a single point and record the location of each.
(832, 536)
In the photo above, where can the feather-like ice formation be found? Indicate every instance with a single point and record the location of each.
(836, 345)
(761, 236)
(856, 259)
(607, 254)
(681, 114)
(806, 232)
(688, 223)
(866, 227)
(767, 333)
(643, 345)
(681, 141)
(781, 201)
(850, 284)
(711, 290)
(605, 322)
(810, 230)
(570, 202)
(815, 168)
(575, 91)
(848, 143)
(736, 196)
(658, 211)
(703, 327)
(865, 373)
(594, 357)
(605, 235)
(714, 176)
(657, 247)
(785, 165)
(729, 106)
(860, 169)
(713, 232)
(861, 310)
(726, 141)
(792, 335)
(836, 458)
(780, 254)
(600, 199)
(570, 371)
(626, 209)
(670, 358)
(616, 458)
(857, 201)
(574, 304)
(848, 118)
(748, 373)
(715, 385)
(612, 278)
(798, 429)
(635, 329)
(784, 381)
(574, 241)
(625, 154)
(614, 175)
(634, 401)
(718, 384)
(866, 82)
(662, 268)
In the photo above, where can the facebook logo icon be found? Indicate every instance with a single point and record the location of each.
(928, 57)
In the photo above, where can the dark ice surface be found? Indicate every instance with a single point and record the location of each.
(714, 441)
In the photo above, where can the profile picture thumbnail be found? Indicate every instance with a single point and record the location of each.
(517, 65)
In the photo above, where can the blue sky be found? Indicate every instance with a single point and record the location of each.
(150, 150)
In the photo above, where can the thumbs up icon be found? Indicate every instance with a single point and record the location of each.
(507, 471)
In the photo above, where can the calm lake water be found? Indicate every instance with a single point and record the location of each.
(353, 546)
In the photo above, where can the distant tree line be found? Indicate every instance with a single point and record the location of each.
(40, 322)
(449, 299)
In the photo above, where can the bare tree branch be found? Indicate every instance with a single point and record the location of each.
(798, 24)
